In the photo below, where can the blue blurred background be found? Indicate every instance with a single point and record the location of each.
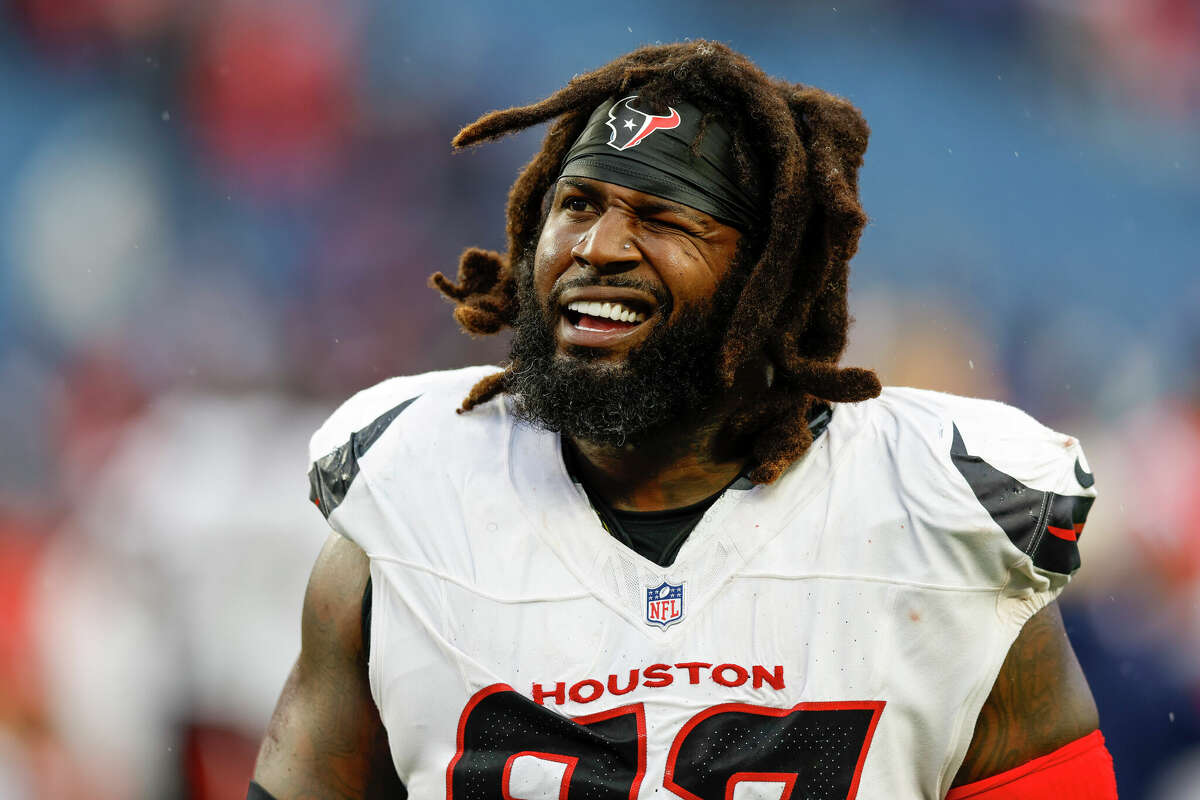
(217, 219)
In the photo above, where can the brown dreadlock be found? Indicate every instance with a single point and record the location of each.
(796, 146)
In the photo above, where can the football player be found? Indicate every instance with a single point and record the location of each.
(672, 547)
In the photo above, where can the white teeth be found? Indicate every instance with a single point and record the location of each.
(614, 311)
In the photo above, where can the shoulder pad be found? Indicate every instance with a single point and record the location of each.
(331, 475)
(1032, 481)
(350, 431)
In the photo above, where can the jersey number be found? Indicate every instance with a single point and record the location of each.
(512, 748)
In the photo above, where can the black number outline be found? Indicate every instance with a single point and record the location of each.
(637, 710)
(788, 778)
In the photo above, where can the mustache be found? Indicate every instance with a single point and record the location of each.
(659, 293)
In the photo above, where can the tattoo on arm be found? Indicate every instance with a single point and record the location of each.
(1040, 702)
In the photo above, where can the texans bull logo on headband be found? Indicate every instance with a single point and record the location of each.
(630, 126)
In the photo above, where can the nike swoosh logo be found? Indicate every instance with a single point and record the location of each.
(1086, 479)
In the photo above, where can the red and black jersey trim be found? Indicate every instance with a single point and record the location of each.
(1044, 525)
(331, 476)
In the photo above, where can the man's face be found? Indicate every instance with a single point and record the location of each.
(643, 255)
(623, 307)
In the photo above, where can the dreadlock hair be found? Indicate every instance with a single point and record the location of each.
(798, 148)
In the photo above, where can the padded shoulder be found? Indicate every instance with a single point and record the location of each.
(1033, 482)
(337, 446)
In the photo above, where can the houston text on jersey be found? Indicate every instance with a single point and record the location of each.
(658, 676)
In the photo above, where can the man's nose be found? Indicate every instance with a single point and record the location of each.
(608, 245)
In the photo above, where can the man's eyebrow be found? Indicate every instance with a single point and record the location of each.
(576, 183)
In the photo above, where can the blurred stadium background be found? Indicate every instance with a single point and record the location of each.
(217, 219)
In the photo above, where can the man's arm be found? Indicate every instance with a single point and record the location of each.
(1039, 703)
(325, 739)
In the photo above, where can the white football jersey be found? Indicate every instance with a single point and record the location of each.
(832, 635)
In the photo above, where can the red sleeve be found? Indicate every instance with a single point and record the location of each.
(1081, 770)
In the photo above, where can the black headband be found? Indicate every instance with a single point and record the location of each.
(653, 154)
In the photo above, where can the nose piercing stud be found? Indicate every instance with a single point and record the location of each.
(628, 245)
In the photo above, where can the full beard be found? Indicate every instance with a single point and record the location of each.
(668, 377)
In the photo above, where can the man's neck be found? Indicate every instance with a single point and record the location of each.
(669, 470)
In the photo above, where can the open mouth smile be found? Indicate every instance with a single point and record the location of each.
(600, 317)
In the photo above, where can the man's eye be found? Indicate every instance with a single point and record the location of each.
(577, 204)
(670, 225)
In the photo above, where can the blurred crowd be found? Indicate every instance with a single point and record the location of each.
(217, 220)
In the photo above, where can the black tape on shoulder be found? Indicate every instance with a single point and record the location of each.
(257, 792)
(331, 476)
(1044, 525)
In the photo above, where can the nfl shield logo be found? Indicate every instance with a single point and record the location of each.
(664, 604)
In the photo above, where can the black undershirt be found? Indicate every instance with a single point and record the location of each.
(658, 535)
(654, 535)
